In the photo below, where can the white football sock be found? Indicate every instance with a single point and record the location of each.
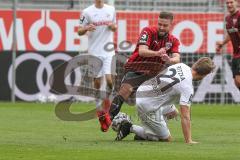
(138, 130)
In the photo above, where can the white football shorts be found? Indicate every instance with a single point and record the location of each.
(154, 122)
(108, 67)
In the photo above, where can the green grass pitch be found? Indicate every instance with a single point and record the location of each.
(30, 131)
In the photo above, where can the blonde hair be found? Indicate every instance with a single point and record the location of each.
(204, 66)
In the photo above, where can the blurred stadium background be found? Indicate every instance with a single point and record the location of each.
(46, 36)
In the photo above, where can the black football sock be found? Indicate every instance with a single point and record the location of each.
(116, 106)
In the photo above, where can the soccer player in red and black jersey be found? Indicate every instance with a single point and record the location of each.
(233, 35)
(156, 49)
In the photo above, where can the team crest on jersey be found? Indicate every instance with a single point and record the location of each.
(168, 45)
(143, 38)
(82, 19)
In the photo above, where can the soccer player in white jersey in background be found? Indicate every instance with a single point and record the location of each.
(157, 96)
(98, 21)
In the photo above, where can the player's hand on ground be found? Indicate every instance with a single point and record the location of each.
(192, 142)
(219, 46)
(90, 27)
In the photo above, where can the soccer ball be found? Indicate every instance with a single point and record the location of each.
(118, 119)
(52, 98)
(41, 98)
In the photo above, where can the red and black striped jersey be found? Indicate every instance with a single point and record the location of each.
(151, 65)
(233, 29)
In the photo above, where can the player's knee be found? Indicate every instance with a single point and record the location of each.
(151, 137)
(157, 138)
(168, 139)
(109, 83)
(97, 83)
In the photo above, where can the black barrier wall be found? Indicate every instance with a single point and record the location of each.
(34, 69)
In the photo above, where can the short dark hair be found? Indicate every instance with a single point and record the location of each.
(204, 66)
(166, 15)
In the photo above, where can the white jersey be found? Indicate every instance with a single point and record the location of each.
(170, 86)
(102, 36)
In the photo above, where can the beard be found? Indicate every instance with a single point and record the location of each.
(162, 34)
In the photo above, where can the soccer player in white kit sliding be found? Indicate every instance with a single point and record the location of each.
(157, 96)
(99, 22)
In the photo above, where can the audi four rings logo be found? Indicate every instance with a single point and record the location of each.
(44, 65)
(70, 65)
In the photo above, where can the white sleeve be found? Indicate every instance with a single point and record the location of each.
(84, 20)
(186, 96)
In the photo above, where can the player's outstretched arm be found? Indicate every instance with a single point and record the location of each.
(186, 124)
